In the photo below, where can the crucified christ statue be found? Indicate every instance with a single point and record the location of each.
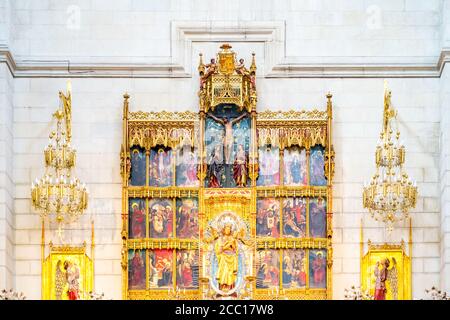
(228, 138)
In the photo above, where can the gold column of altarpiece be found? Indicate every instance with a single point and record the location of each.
(226, 82)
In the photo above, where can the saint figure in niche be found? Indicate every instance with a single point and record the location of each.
(240, 167)
(67, 280)
(215, 168)
(381, 277)
(137, 271)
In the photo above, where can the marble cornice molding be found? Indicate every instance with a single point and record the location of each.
(184, 34)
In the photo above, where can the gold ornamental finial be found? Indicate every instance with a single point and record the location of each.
(225, 47)
(66, 102)
(389, 111)
(201, 65)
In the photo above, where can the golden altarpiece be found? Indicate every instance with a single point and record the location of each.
(227, 203)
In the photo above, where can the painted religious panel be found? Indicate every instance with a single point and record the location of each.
(187, 269)
(267, 269)
(227, 141)
(160, 218)
(137, 218)
(160, 269)
(317, 218)
(317, 268)
(136, 269)
(67, 273)
(187, 218)
(161, 169)
(67, 276)
(268, 217)
(294, 217)
(295, 166)
(317, 167)
(269, 166)
(186, 167)
(294, 268)
(386, 272)
(138, 167)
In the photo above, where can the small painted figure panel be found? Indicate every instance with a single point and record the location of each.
(161, 269)
(294, 217)
(317, 269)
(268, 218)
(161, 218)
(267, 269)
(138, 165)
(317, 217)
(214, 137)
(136, 269)
(161, 171)
(386, 274)
(269, 166)
(186, 168)
(294, 268)
(240, 167)
(187, 269)
(67, 280)
(137, 218)
(295, 173)
(317, 167)
(187, 218)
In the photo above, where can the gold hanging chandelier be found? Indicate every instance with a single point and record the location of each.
(390, 194)
(59, 195)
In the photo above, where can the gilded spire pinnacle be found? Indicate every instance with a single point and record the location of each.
(201, 65)
(126, 96)
(253, 65)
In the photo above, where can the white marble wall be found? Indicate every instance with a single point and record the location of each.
(131, 31)
(316, 30)
(7, 264)
(6, 12)
(445, 154)
(445, 179)
(445, 26)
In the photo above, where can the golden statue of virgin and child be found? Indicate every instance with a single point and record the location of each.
(226, 250)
